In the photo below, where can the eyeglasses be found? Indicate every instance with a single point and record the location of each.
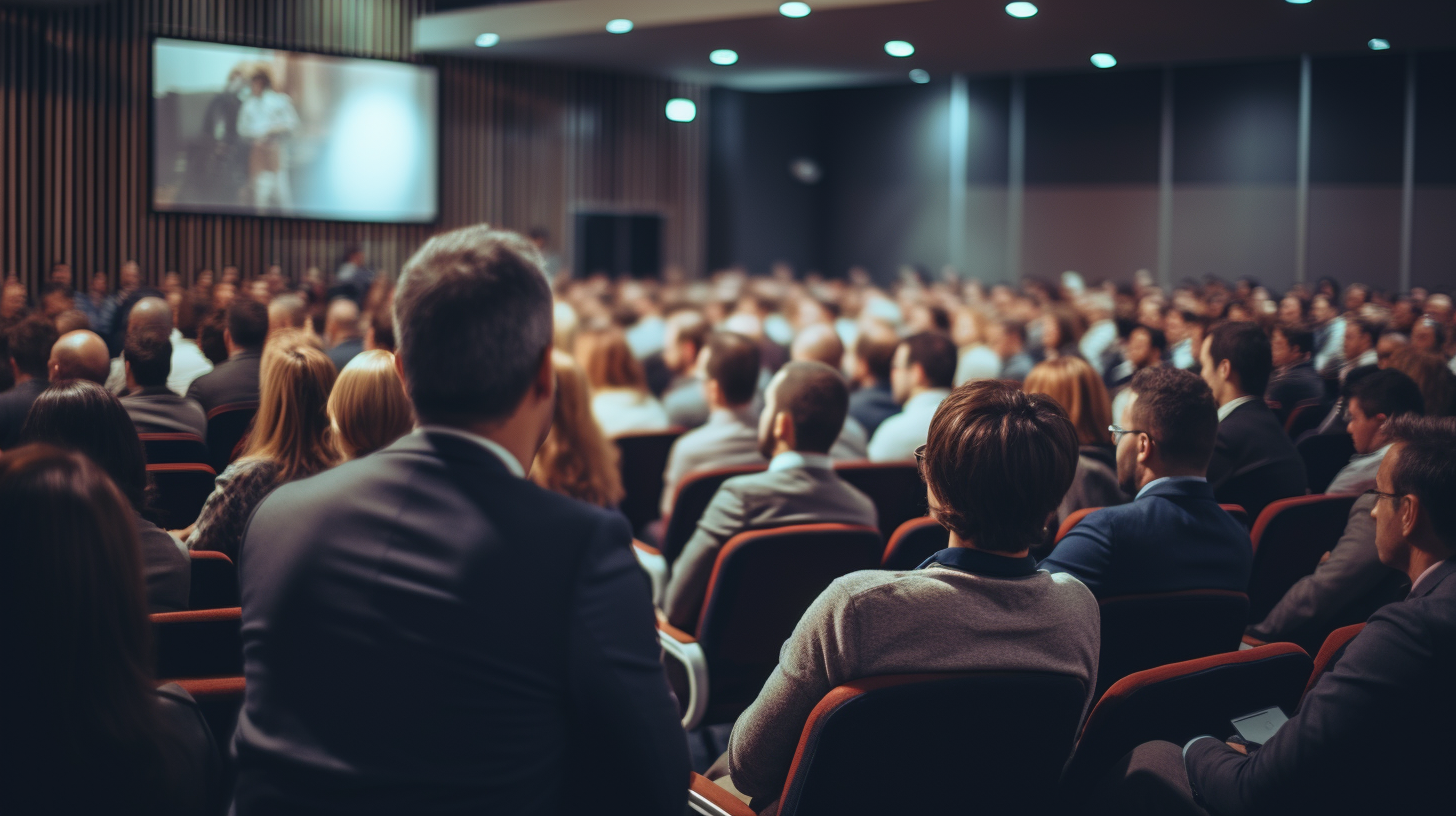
(1118, 432)
(1379, 495)
(920, 455)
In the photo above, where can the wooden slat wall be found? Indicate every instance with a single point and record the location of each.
(521, 145)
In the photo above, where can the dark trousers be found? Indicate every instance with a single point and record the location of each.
(1149, 781)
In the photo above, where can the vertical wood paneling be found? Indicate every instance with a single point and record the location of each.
(521, 146)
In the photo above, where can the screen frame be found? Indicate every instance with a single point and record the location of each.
(151, 147)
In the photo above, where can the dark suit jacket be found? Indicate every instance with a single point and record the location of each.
(1254, 460)
(1370, 737)
(233, 380)
(872, 405)
(158, 410)
(345, 351)
(14, 406)
(425, 633)
(1289, 387)
(1174, 537)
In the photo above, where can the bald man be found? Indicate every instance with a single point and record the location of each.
(287, 312)
(341, 331)
(80, 355)
(820, 343)
(153, 314)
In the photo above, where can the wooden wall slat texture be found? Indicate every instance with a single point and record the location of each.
(521, 145)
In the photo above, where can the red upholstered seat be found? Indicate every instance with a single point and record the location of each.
(203, 643)
(181, 490)
(226, 427)
(1146, 631)
(913, 542)
(174, 448)
(693, 495)
(895, 487)
(643, 459)
(1289, 538)
(214, 581)
(1331, 651)
(1305, 416)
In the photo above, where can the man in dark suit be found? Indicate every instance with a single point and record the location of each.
(399, 658)
(1173, 536)
(1294, 380)
(153, 407)
(235, 379)
(30, 344)
(1254, 461)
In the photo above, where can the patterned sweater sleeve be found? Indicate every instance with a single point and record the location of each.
(237, 492)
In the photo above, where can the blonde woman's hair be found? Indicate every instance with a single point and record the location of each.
(577, 459)
(291, 427)
(607, 360)
(368, 407)
(1077, 388)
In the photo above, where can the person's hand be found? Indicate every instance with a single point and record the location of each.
(1237, 747)
(1253, 641)
(1325, 557)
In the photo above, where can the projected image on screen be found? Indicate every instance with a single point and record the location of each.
(280, 133)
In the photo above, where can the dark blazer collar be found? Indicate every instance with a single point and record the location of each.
(450, 447)
(976, 562)
(1181, 488)
(1435, 578)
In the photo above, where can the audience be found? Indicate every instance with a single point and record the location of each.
(730, 436)
(820, 343)
(153, 407)
(236, 379)
(577, 459)
(188, 362)
(1374, 401)
(1294, 381)
(287, 312)
(1359, 344)
(1072, 384)
(1009, 342)
(921, 374)
(873, 400)
(685, 335)
(341, 332)
(30, 343)
(620, 400)
(80, 355)
(368, 409)
(1432, 376)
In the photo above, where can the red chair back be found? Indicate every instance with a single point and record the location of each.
(214, 581)
(762, 583)
(1324, 456)
(1305, 416)
(220, 699)
(226, 426)
(642, 461)
(913, 542)
(1142, 632)
(205, 643)
(894, 487)
(694, 493)
(1331, 652)
(1239, 513)
(1289, 538)
(182, 489)
(873, 746)
(174, 448)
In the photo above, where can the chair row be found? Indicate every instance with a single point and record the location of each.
(182, 466)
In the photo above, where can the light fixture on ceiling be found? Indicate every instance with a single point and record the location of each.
(619, 26)
(487, 40)
(1021, 9)
(681, 110)
(919, 76)
(1379, 44)
(795, 9)
(1298, 2)
(723, 56)
(1103, 60)
(899, 48)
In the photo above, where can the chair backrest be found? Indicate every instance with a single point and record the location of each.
(226, 426)
(762, 583)
(876, 745)
(1142, 632)
(203, 643)
(1072, 520)
(642, 461)
(174, 448)
(1181, 701)
(181, 490)
(1305, 416)
(1324, 455)
(220, 699)
(894, 487)
(1239, 513)
(1331, 652)
(693, 494)
(214, 581)
(913, 542)
(1289, 538)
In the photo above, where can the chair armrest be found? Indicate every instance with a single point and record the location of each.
(681, 647)
(708, 799)
(652, 563)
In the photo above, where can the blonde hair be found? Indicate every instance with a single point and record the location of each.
(577, 459)
(368, 408)
(291, 427)
(1077, 388)
(608, 362)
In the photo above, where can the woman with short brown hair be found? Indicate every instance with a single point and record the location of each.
(620, 399)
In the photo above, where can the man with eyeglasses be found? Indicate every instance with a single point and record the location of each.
(1173, 536)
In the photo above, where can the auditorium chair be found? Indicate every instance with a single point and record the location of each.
(1332, 650)
(1324, 456)
(642, 461)
(1181, 701)
(692, 497)
(1075, 517)
(174, 449)
(895, 487)
(181, 490)
(1289, 538)
(201, 643)
(220, 699)
(972, 742)
(1306, 416)
(762, 582)
(913, 542)
(1146, 631)
(226, 427)
(214, 581)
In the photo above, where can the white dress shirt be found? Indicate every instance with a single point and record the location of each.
(897, 437)
(623, 410)
(1230, 406)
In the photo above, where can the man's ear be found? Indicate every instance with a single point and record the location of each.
(713, 392)
(1410, 514)
(1225, 370)
(1146, 446)
(546, 377)
(783, 428)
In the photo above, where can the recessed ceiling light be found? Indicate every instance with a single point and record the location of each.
(1297, 2)
(681, 110)
(899, 48)
(1104, 60)
(794, 9)
(1378, 44)
(619, 26)
(1022, 10)
(487, 40)
(919, 76)
(723, 56)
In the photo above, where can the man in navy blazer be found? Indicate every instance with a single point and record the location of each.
(1173, 535)
(427, 632)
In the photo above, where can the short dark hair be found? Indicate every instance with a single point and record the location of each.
(1176, 408)
(1389, 392)
(1370, 328)
(998, 462)
(82, 416)
(30, 345)
(247, 322)
(1015, 328)
(381, 321)
(210, 339)
(472, 318)
(733, 363)
(935, 353)
(1246, 347)
(877, 352)
(1426, 468)
(1298, 337)
(149, 353)
(817, 398)
(691, 326)
(1156, 338)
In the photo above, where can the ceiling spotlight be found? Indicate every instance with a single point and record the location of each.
(681, 110)
(1104, 60)
(899, 48)
(1297, 2)
(723, 56)
(619, 26)
(919, 76)
(794, 9)
(1022, 10)
(487, 40)
(1378, 44)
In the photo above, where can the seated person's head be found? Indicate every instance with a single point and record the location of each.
(80, 355)
(1290, 344)
(684, 336)
(368, 409)
(819, 343)
(577, 459)
(148, 356)
(82, 416)
(803, 410)
(996, 465)
(874, 354)
(730, 368)
(1072, 383)
(287, 312)
(1361, 334)
(922, 362)
(1415, 519)
(1146, 346)
(1237, 361)
(30, 344)
(1377, 399)
(1172, 422)
(247, 324)
(292, 425)
(608, 362)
